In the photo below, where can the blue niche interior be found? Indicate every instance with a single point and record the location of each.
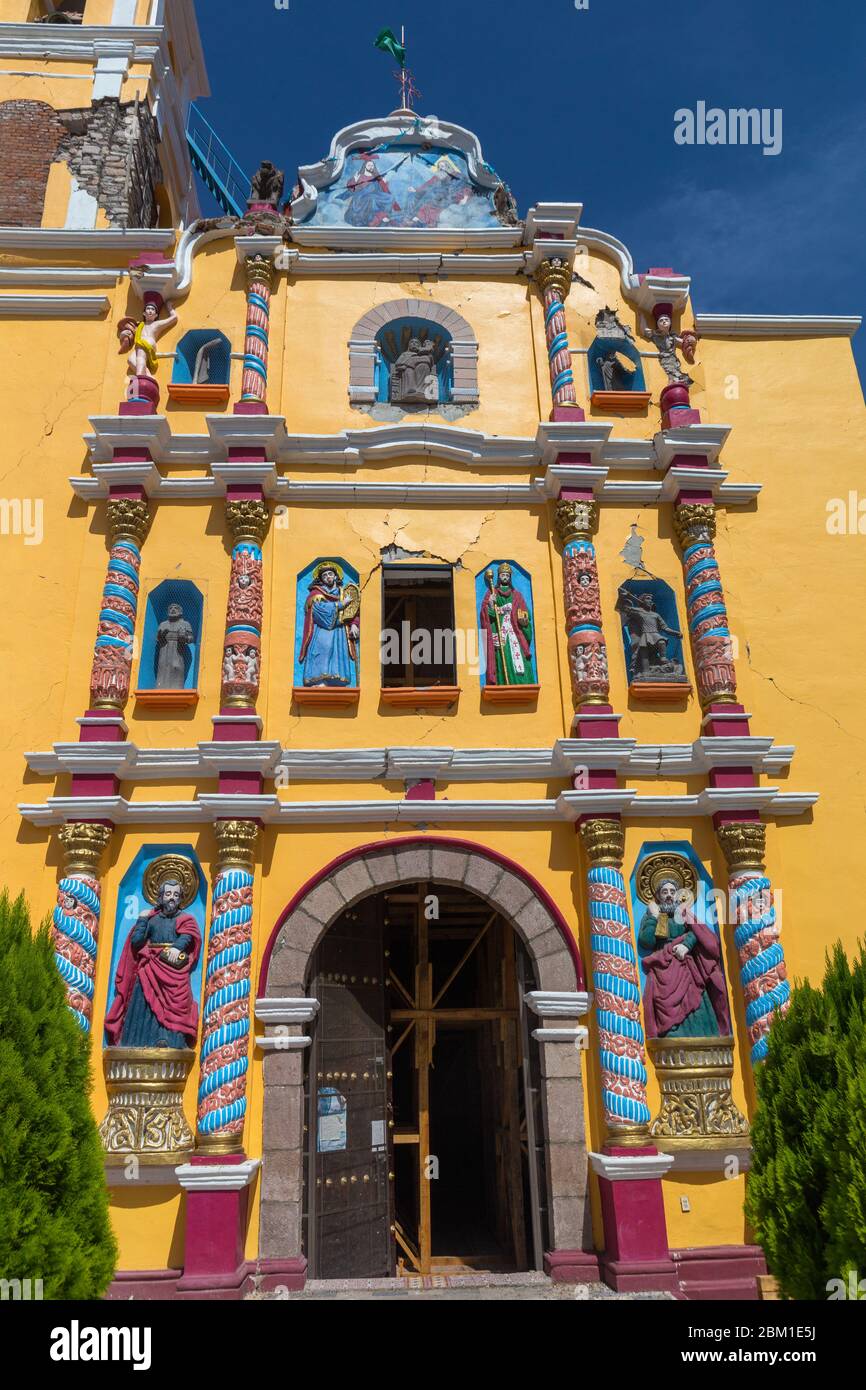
(203, 357)
(521, 581)
(666, 605)
(160, 599)
(625, 379)
(395, 337)
(704, 908)
(131, 903)
(335, 646)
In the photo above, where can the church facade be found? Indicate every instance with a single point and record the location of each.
(416, 732)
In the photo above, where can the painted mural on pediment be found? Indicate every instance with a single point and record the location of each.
(392, 185)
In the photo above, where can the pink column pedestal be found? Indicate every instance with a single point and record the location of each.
(217, 1203)
(636, 1256)
(572, 1266)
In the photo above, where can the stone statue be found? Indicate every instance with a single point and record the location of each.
(267, 185)
(506, 625)
(329, 645)
(414, 379)
(153, 1002)
(684, 991)
(139, 338)
(648, 633)
(666, 343)
(615, 377)
(174, 637)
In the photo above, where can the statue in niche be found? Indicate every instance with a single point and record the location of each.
(666, 343)
(174, 637)
(648, 633)
(614, 374)
(139, 338)
(684, 991)
(153, 1002)
(266, 187)
(506, 622)
(329, 645)
(414, 379)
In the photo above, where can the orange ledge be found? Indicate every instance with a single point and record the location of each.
(168, 699)
(335, 696)
(509, 694)
(660, 692)
(183, 393)
(422, 697)
(620, 400)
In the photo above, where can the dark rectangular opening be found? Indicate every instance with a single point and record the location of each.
(418, 637)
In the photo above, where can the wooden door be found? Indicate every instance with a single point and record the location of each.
(349, 1187)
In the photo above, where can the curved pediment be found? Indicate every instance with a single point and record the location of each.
(403, 172)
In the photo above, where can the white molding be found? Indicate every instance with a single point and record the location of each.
(574, 475)
(64, 277)
(206, 759)
(702, 441)
(40, 240)
(53, 306)
(555, 437)
(274, 1011)
(407, 265)
(435, 239)
(285, 1042)
(579, 1037)
(217, 1177)
(777, 325)
(548, 1003)
(630, 1167)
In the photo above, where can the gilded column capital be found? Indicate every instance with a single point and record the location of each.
(236, 840)
(247, 519)
(84, 843)
(554, 274)
(744, 844)
(575, 520)
(128, 520)
(259, 270)
(604, 841)
(695, 521)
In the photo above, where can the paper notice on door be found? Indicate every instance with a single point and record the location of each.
(377, 1135)
(332, 1130)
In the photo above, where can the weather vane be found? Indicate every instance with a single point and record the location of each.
(388, 42)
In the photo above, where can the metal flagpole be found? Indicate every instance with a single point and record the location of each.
(403, 68)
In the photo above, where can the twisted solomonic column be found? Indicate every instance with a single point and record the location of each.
(763, 973)
(128, 520)
(75, 925)
(587, 652)
(554, 280)
(247, 520)
(260, 282)
(222, 1089)
(695, 524)
(617, 992)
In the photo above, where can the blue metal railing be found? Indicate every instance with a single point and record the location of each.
(217, 166)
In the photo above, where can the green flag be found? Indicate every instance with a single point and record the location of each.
(388, 43)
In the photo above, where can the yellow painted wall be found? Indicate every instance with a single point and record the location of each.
(792, 590)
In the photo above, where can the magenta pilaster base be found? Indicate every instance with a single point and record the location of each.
(215, 1228)
(572, 1266)
(720, 1272)
(636, 1256)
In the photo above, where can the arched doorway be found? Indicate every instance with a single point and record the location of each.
(431, 1124)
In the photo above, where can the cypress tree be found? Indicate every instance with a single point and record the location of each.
(54, 1222)
(806, 1196)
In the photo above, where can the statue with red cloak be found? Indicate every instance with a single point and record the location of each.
(153, 1002)
(684, 991)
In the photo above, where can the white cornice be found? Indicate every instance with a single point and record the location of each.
(65, 277)
(548, 1003)
(623, 755)
(630, 1167)
(273, 810)
(53, 306)
(407, 264)
(68, 43)
(777, 325)
(432, 239)
(40, 240)
(285, 1011)
(217, 1177)
(701, 441)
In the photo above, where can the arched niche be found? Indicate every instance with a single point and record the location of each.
(168, 669)
(370, 350)
(202, 368)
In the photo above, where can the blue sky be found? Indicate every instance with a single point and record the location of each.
(578, 105)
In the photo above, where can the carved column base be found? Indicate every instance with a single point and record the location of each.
(697, 1110)
(145, 1104)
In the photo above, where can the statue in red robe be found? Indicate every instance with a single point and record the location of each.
(153, 1002)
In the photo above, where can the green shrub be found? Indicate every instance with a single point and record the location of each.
(806, 1196)
(54, 1222)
